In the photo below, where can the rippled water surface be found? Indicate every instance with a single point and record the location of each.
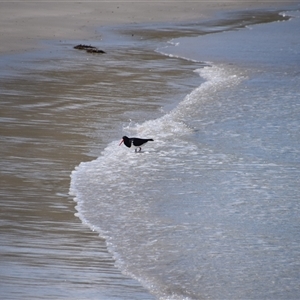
(210, 209)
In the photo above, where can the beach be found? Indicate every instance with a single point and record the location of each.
(24, 24)
(72, 225)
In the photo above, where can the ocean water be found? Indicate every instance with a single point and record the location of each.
(210, 209)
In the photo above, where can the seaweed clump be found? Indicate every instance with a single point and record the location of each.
(89, 49)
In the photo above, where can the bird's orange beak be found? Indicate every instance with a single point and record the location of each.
(121, 142)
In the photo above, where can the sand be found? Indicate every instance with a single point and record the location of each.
(24, 23)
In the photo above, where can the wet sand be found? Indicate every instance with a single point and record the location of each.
(24, 24)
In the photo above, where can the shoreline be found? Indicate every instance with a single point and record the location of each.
(84, 30)
(23, 25)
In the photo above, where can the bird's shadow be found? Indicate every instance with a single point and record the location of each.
(144, 152)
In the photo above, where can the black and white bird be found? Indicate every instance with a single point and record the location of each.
(136, 142)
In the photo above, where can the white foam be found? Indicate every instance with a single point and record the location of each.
(114, 193)
(118, 168)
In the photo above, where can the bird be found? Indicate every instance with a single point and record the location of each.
(136, 142)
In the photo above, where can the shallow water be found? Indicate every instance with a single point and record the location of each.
(50, 113)
(210, 209)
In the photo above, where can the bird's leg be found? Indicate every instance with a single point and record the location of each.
(140, 149)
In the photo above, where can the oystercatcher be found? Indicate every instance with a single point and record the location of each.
(136, 142)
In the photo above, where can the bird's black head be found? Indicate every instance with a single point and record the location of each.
(126, 141)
